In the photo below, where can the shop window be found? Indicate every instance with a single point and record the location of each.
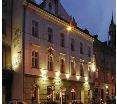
(50, 35)
(62, 40)
(73, 72)
(35, 59)
(62, 66)
(34, 28)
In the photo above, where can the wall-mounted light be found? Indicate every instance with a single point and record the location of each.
(69, 28)
(67, 76)
(78, 77)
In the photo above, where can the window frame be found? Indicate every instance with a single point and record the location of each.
(50, 35)
(35, 28)
(72, 44)
(35, 59)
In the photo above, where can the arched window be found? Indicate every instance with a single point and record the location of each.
(35, 59)
(62, 66)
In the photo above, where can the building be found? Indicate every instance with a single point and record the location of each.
(51, 58)
(105, 84)
(7, 72)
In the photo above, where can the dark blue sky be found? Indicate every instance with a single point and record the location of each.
(95, 15)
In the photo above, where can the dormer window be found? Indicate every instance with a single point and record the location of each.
(50, 7)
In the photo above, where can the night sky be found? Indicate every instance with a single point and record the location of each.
(95, 15)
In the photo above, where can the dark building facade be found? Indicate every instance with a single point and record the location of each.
(105, 56)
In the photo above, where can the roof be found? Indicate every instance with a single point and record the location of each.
(80, 29)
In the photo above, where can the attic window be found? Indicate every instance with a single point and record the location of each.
(50, 7)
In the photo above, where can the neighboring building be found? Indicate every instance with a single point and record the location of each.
(7, 72)
(105, 84)
(51, 57)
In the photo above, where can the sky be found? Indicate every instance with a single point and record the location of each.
(95, 15)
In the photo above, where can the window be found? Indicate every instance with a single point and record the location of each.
(3, 27)
(72, 45)
(50, 35)
(49, 93)
(73, 72)
(35, 59)
(89, 51)
(50, 7)
(81, 48)
(50, 62)
(62, 67)
(62, 40)
(81, 70)
(35, 93)
(73, 94)
(35, 28)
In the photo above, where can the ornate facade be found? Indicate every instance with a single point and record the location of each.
(51, 57)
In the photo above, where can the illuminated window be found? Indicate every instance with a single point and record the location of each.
(62, 66)
(81, 48)
(73, 72)
(35, 59)
(34, 28)
(72, 45)
(62, 40)
(50, 7)
(81, 70)
(50, 35)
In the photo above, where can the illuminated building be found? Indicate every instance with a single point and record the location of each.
(51, 57)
